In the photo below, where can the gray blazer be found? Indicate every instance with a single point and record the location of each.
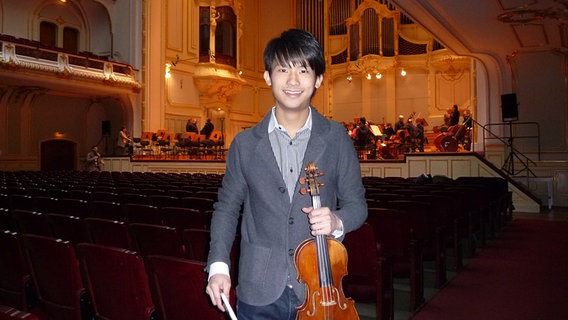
(271, 226)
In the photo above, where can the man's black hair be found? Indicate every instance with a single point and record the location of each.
(295, 47)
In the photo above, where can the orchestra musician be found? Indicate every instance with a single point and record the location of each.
(94, 160)
(125, 141)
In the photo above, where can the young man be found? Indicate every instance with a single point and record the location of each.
(262, 174)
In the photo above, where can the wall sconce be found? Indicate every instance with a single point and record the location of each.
(368, 76)
(168, 74)
(349, 78)
(378, 75)
(403, 73)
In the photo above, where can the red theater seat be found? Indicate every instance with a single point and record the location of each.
(117, 281)
(179, 289)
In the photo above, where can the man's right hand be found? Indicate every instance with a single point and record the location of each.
(218, 283)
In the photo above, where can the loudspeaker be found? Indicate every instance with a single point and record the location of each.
(509, 107)
(105, 127)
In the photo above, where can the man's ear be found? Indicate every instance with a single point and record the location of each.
(267, 78)
(319, 80)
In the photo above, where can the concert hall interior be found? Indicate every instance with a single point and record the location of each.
(452, 89)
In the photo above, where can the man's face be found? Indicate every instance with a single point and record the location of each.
(293, 86)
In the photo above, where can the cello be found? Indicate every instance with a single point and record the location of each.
(321, 264)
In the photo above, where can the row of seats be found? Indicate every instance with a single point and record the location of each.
(411, 222)
(93, 281)
(98, 215)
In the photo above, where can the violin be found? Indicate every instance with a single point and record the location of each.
(321, 264)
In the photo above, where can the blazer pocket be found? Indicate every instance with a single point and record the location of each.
(253, 265)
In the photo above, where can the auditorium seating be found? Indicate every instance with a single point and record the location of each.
(158, 240)
(9, 313)
(55, 270)
(369, 277)
(178, 289)
(464, 213)
(394, 242)
(109, 233)
(16, 285)
(117, 282)
(185, 218)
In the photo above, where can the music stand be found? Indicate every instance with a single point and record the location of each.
(509, 164)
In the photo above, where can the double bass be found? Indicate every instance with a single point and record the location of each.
(321, 264)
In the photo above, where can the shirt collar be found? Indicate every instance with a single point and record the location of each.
(273, 124)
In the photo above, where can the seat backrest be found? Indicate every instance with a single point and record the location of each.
(178, 287)
(162, 200)
(200, 203)
(22, 201)
(143, 213)
(109, 233)
(361, 247)
(69, 228)
(31, 222)
(15, 275)
(156, 239)
(55, 270)
(107, 210)
(196, 243)
(131, 197)
(185, 218)
(116, 279)
(48, 204)
(76, 207)
(391, 234)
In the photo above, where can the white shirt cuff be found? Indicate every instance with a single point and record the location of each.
(339, 231)
(218, 268)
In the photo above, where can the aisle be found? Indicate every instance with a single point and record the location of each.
(522, 274)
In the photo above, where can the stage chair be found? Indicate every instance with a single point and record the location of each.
(155, 239)
(108, 233)
(31, 222)
(185, 218)
(178, 287)
(57, 277)
(394, 242)
(369, 277)
(16, 286)
(117, 282)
